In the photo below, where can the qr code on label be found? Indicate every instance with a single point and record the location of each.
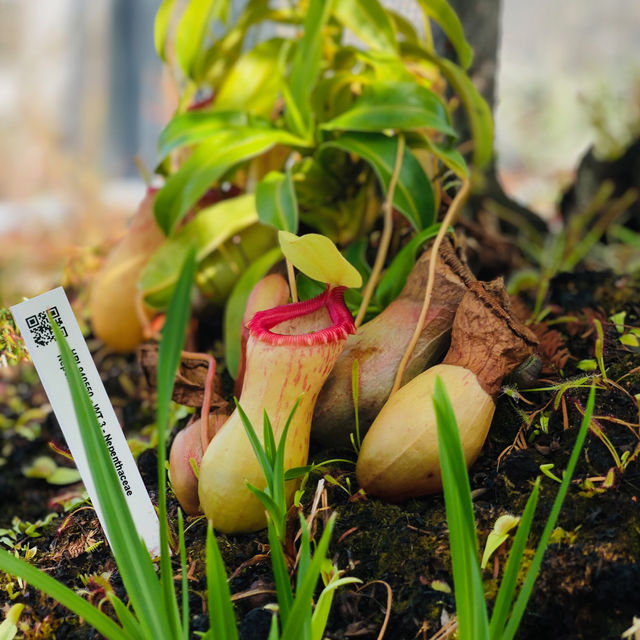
(41, 330)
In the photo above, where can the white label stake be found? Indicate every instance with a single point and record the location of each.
(31, 318)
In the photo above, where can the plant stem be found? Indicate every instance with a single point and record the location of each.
(449, 217)
(292, 281)
(385, 239)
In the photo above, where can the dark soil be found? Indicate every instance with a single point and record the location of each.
(588, 585)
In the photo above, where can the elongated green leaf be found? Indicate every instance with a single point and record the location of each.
(304, 562)
(470, 603)
(446, 17)
(270, 506)
(476, 107)
(532, 574)
(369, 21)
(127, 619)
(449, 156)
(401, 106)
(398, 271)
(478, 111)
(276, 201)
(222, 621)
(237, 303)
(507, 589)
(268, 439)
(413, 195)
(256, 445)
(280, 573)
(255, 80)
(207, 163)
(193, 28)
(402, 26)
(132, 558)
(173, 337)
(278, 490)
(65, 596)
(207, 231)
(184, 578)
(161, 26)
(305, 69)
(301, 609)
(194, 127)
(323, 606)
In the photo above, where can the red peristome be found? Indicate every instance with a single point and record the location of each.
(333, 299)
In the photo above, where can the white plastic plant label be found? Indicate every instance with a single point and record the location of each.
(31, 318)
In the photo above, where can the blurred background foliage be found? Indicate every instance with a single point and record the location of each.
(82, 93)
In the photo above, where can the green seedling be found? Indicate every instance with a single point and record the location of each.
(546, 470)
(9, 627)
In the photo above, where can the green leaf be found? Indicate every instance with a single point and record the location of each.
(207, 163)
(498, 536)
(301, 610)
(276, 201)
(476, 107)
(369, 21)
(269, 504)
(403, 26)
(184, 577)
(222, 620)
(169, 352)
(446, 17)
(161, 26)
(317, 257)
(237, 303)
(126, 618)
(305, 69)
(207, 231)
(449, 156)
(413, 195)
(256, 445)
(65, 596)
(9, 628)
(255, 80)
(195, 127)
(133, 560)
(192, 32)
(280, 573)
(398, 271)
(400, 106)
(323, 606)
(478, 111)
(470, 603)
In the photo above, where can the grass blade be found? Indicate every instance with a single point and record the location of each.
(278, 490)
(269, 440)
(507, 589)
(173, 337)
(273, 508)
(222, 620)
(183, 572)
(470, 603)
(280, 573)
(127, 619)
(132, 557)
(65, 596)
(256, 445)
(527, 587)
(294, 627)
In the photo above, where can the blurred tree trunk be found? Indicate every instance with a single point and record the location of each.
(481, 20)
(481, 23)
